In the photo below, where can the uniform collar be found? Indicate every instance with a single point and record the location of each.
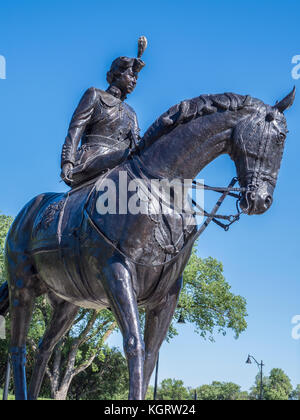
(109, 99)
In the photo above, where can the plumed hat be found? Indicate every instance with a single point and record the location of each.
(120, 64)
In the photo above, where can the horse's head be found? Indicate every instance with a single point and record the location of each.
(257, 148)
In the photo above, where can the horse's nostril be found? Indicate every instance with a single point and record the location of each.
(268, 201)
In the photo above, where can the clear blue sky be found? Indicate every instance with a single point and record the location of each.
(55, 50)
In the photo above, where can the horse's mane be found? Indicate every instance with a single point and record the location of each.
(190, 109)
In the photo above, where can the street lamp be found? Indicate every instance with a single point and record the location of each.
(260, 367)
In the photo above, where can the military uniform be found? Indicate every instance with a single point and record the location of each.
(106, 127)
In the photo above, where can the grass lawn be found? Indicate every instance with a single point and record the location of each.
(12, 397)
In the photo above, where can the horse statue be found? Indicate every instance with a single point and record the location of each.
(62, 245)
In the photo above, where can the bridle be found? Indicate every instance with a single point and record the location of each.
(225, 191)
(230, 191)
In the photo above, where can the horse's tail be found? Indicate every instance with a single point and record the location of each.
(4, 299)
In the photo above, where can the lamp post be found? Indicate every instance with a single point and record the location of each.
(260, 367)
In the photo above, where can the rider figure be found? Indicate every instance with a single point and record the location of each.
(106, 126)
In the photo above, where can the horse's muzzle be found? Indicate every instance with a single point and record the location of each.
(256, 202)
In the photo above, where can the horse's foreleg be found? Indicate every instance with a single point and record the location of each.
(63, 316)
(118, 287)
(158, 320)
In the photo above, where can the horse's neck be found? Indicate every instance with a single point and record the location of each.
(188, 148)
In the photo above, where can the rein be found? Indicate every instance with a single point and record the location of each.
(229, 191)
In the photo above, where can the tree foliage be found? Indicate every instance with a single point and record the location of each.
(295, 395)
(5, 222)
(221, 391)
(206, 300)
(105, 379)
(172, 389)
(276, 386)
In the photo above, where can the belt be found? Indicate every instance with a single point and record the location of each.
(95, 140)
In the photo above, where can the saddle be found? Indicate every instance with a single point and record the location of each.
(59, 217)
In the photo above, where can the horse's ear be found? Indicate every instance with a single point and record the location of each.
(287, 102)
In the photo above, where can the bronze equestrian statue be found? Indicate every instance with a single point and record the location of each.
(61, 246)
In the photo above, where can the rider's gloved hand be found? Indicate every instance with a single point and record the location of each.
(66, 173)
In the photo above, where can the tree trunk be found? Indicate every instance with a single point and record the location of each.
(62, 392)
(60, 385)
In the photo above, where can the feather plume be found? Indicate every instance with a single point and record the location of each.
(142, 45)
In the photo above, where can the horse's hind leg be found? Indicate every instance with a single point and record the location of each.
(118, 287)
(23, 290)
(21, 312)
(158, 320)
(63, 316)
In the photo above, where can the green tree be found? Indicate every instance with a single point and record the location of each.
(79, 350)
(221, 391)
(206, 300)
(296, 393)
(276, 386)
(5, 222)
(105, 379)
(150, 393)
(172, 389)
